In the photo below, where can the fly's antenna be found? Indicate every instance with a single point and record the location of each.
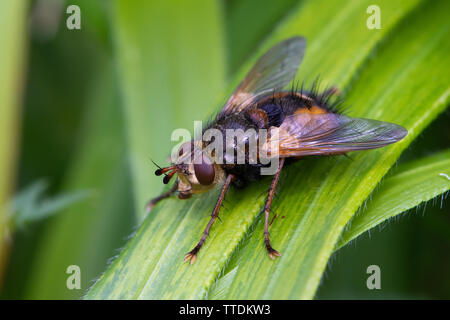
(155, 164)
(162, 171)
(159, 171)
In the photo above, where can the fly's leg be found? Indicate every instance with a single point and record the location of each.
(272, 252)
(162, 196)
(192, 255)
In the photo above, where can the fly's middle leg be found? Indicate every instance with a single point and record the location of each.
(272, 252)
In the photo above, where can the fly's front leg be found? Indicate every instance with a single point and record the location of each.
(162, 196)
(272, 252)
(191, 256)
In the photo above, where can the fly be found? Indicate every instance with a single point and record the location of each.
(301, 123)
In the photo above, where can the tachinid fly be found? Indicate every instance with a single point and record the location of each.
(306, 123)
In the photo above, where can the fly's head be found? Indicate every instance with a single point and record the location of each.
(196, 170)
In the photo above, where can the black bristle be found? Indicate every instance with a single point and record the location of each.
(327, 98)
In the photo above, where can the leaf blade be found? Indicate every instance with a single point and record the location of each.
(153, 41)
(12, 61)
(411, 184)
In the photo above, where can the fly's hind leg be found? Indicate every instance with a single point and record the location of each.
(162, 196)
(191, 256)
(272, 252)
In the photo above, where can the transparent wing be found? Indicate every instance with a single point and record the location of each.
(317, 134)
(273, 71)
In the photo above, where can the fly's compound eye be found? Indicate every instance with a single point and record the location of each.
(204, 171)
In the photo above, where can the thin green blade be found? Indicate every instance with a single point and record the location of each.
(411, 184)
(12, 58)
(170, 61)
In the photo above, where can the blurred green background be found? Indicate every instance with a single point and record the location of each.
(68, 126)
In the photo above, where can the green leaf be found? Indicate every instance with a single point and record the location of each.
(12, 58)
(248, 22)
(411, 184)
(88, 233)
(171, 65)
(317, 197)
(29, 205)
